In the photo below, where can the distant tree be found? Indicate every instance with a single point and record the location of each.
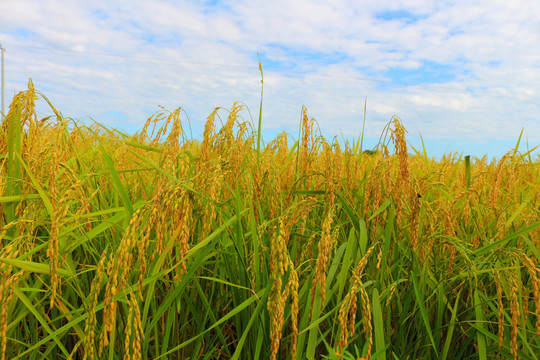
(370, 152)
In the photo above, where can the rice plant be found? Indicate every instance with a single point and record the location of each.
(154, 245)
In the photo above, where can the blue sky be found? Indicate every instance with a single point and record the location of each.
(464, 74)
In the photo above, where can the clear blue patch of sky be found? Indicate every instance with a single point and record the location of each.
(454, 32)
(120, 120)
(100, 14)
(296, 57)
(149, 38)
(24, 33)
(428, 73)
(164, 41)
(213, 5)
(400, 15)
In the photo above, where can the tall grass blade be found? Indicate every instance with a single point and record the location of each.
(259, 127)
(380, 344)
(116, 182)
(423, 313)
(480, 338)
(468, 171)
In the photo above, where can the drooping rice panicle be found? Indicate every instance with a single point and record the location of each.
(225, 247)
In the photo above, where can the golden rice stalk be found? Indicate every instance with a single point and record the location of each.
(449, 231)
(374, 193)
(142, 135)
(90, 326)
(26, 226)
(4, 231)
(271, 188)
(496, 187)
(52, 249)
(325, 247)
(138, 330)
(160, 225)
(118, 269)
(172, 144)
(276, 301)
(162, 130)
(379, 259)
(363, 262)
(337, 158)
(280, 263)
(414, 219)
(307, 251)
(387, 166)
(208, 139)
(497, 278)
(525, 294)
(74, 351)
(347, 311)
(155, 220)
(514, 309)
(303, 218)
(307, 140)
(347, 318)
(7, 279)
(183, 224)
(502, 228)
(282, 153)
(366, 319)
(26, 101)
(127, 337)
(293, 286)
(133, 329)
(226, 139)
(391, 295)
(61, 206)
(29, 117)
(467, 207)
(212, 177)
(402, 185)
(534, 273)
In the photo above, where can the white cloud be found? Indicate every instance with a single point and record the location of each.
(484, 60)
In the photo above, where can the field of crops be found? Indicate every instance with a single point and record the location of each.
(115, 246)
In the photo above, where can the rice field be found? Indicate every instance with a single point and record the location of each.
(157, 246)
